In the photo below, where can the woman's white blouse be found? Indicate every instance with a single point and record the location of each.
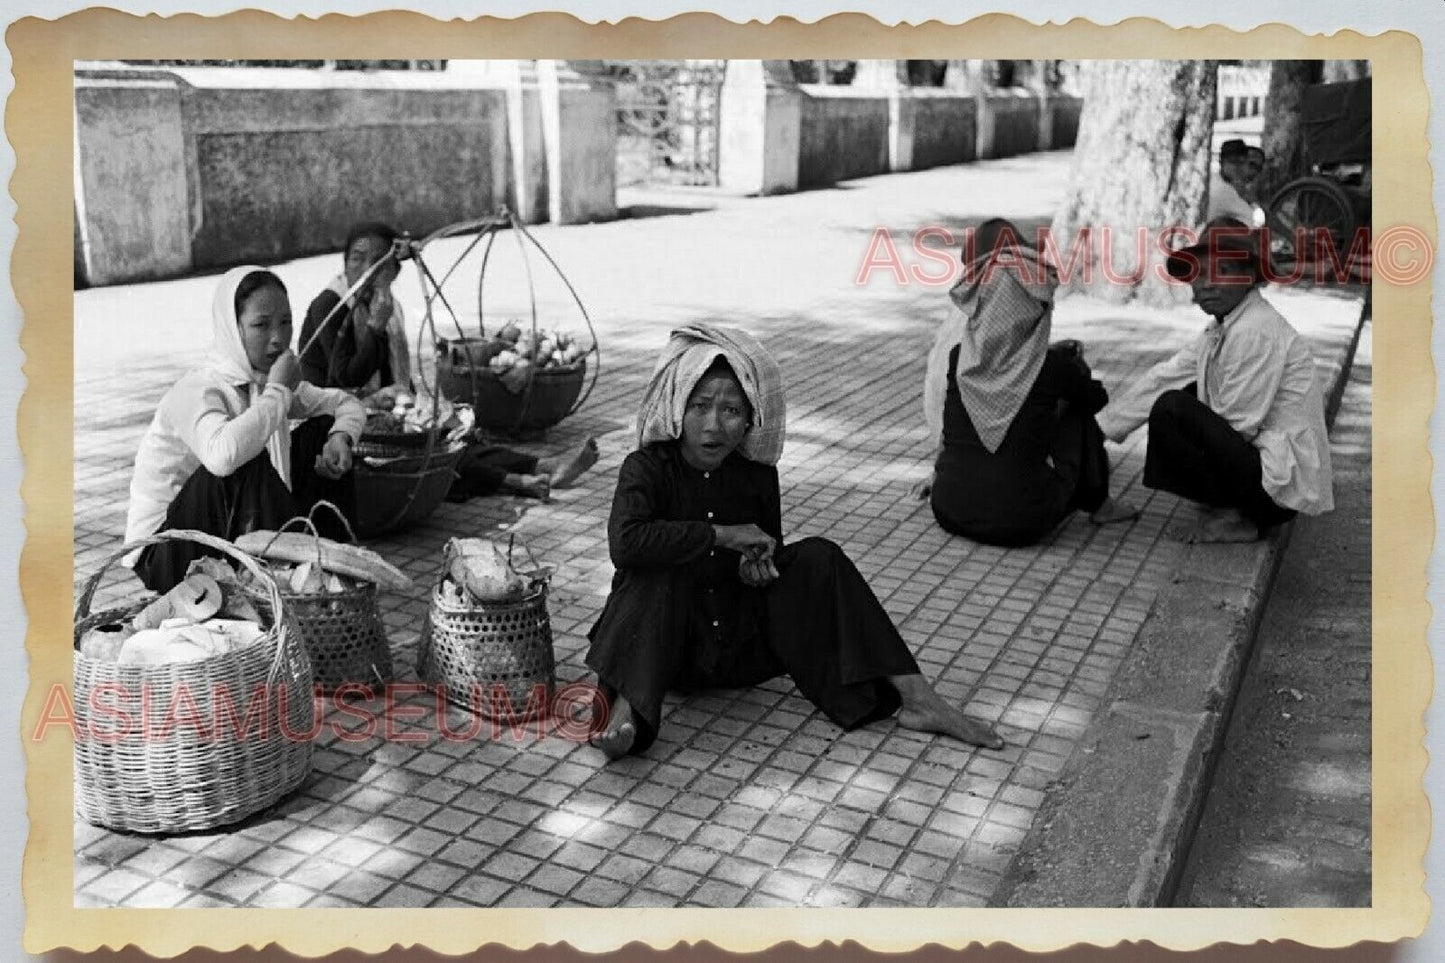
(203, 422)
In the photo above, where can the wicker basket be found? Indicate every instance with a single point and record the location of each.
(492, 657)
(148, 776)
(404, 491)
(342, 631)
(550, 396)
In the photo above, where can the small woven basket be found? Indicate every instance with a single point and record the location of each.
(342, 631)
(146, 762)
(494, 658)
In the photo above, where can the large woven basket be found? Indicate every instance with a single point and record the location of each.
(342, 631)
(404, 491)
(550, 395)
(494, 658)
(250, 747)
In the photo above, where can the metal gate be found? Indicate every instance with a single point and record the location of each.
(667, 120)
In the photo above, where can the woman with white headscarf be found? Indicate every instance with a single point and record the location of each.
(1018, 447)
(706, 593)
(219, 455)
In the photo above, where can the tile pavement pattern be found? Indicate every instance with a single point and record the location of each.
(749, 797)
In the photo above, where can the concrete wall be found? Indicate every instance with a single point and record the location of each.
(1066, 111)
(282, 173)
(944, 128)
(132, 218)
(180, 169)
(1015, 124)
(842, 135)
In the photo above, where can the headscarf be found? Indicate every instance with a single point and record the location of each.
(690, 351)
(228, 362)
(398, 354)
(1001, 330)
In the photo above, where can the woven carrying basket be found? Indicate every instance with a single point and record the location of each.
(137, 770)
(404, 491)
(342, 631)
(495, 658)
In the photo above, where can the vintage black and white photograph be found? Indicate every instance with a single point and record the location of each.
(722, 483)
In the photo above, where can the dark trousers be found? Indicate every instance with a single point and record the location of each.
(1196, 454)
(250, 498)
(484, 469)
(824, 628)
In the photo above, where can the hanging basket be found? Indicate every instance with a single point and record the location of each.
(146, 762)
(342, 631)
(551, 395)
(403, 487)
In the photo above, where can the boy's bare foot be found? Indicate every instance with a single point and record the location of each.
(566, 473)
(925, 711)
(1114, 510)
(535, 486)
(616, 740)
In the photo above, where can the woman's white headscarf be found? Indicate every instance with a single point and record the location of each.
(1001, 330)
(229, 364)
(690, 351)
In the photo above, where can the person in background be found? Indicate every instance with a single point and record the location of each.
(706, 592)
(1013, 416)
(1236, 418)
(1232, 190)
(220, 455)
(363, 348)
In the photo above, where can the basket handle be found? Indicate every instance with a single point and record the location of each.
(249, 563)
(323, 503)
(299, 520)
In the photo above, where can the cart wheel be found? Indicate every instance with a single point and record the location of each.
(1299, 211)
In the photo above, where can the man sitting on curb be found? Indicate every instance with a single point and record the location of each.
(1237, 418)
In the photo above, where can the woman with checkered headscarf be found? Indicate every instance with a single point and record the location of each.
(707, 594)
(1013, 417)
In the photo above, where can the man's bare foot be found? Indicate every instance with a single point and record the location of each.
(1225, 527)
(1114, 510)
(568, 471)
(535, 486)
(925, 711)
(616, 740)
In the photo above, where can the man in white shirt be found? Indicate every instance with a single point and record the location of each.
(1236, 419)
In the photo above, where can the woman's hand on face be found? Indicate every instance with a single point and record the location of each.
(285, 370)
(748, 539)
(380, 308)
(335, 458)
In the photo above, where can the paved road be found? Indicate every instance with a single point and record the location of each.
(1288, 819)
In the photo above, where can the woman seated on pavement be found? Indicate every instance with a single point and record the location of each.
(1018, 448)
(706, 594)
(363, 348)
(1237, 418)
(220, 455)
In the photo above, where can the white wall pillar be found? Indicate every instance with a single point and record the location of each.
(760, 127)
(890, 77)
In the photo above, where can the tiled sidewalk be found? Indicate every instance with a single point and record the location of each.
(749, 798)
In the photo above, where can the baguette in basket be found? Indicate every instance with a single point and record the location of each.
(352, 561)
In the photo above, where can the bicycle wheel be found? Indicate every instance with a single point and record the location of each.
(1305, 214)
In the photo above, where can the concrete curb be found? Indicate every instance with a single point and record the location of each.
(1116, 826)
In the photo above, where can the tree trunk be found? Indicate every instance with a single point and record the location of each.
(1283, 137)
(1141, 166)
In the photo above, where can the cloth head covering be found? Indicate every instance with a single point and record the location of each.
(690, 350)
(1001, 330)
(228, 361)
(398, 353)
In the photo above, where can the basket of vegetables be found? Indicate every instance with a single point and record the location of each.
(488, 636)
(330, 591)
(192, 710)
(517, 381)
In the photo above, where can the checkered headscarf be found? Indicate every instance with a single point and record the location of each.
(690, 351)
(1001, 330)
